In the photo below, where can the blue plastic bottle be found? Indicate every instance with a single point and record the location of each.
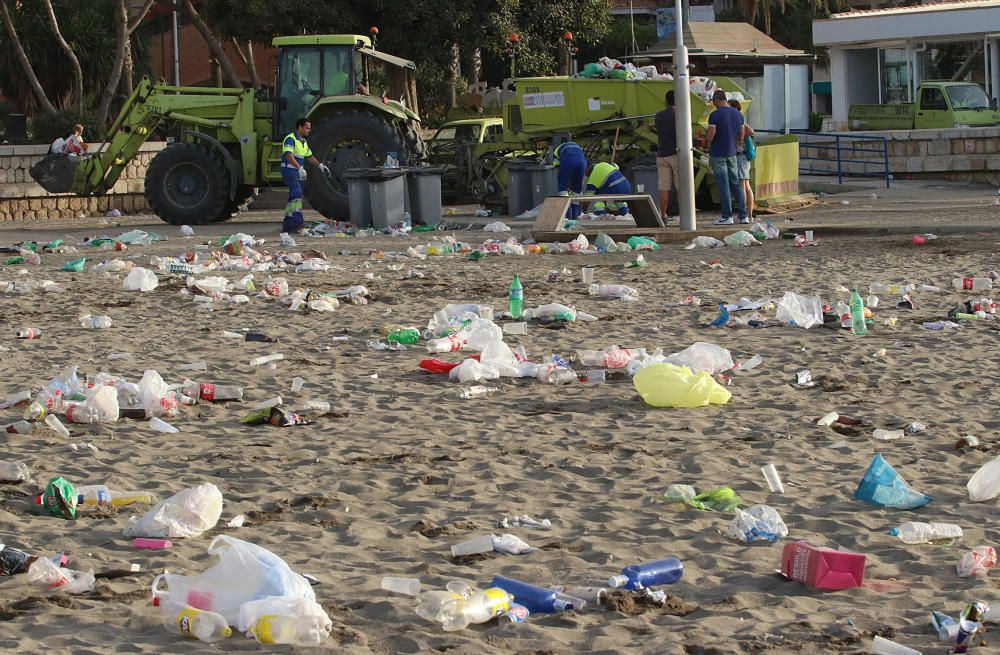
(538, 600)
(650, 574)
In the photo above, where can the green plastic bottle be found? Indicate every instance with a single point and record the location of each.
(516, 298)
(858, 314)
(409, 335)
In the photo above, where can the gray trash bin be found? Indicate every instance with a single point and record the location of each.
(359, 197)
(645, 180)
(387, 190)
(519, 187)
(424, 194)
(544, 182)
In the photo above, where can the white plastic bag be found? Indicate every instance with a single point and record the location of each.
(155, 395)
(499, 355)
(701, 356)
(312, 625)
(741, 238)
(496, 226)
(472, 371)
(14, 472)
(511, 544)
(800, 311)
(44, 571)
(140, 279)
(105, 399)
(185, 514)
(245, 572)
(704, 242)
(985, 483)
(480, 333)
(757, 523)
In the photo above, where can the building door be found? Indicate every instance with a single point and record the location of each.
(894, 77)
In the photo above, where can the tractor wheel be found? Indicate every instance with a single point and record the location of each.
(351, 139)
(186, 184)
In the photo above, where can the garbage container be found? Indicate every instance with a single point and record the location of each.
(387, 191)
(424, 194)
(646, 180)
(544, 182)
(519, 187)
(359, 197)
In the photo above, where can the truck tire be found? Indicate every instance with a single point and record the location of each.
(236, 205)
(186, 184)
(350, 139)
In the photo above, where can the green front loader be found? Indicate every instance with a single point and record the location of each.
(228, 142)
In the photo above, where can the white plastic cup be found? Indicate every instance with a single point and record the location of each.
(588, 275)
(881, 646)
(809, 235)
(828, 419)
(481, 544)
(297, 384)
(160, 425)
(408, 586)
(773, 479)
(515, 328)
(270, 402)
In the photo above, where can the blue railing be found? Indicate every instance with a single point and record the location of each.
(843, 150)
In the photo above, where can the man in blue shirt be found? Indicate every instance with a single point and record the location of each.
(666, 152)
(724, 128)
(294, 153)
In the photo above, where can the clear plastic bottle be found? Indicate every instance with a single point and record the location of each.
(82, 413)
(99, 494)
(610, 357)
(211, 392)
(594, 595)
(447, 344)
(314, 406)
(614, 291)
(913, 532)
(18, 427)
(197, 624)
(889, 288)
(972, 283)
(95, 322)
(279, 629)
(29, 333)
(478, 391)
(650, 574)
(455, 612)
(556, 375)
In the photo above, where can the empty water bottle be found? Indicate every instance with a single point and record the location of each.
(614, 291)
(478, 391)
(455, 611)
(29, 333)
(444, 344)
(82, 413)
(95, 322)
(913, 532)
(650, 574)
(972, 283)
(211, 392)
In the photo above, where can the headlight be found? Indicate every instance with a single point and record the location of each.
(962, 125)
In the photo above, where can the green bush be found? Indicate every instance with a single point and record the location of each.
(46, 128)
(815, 122)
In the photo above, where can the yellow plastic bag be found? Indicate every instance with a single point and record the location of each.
(667, 385)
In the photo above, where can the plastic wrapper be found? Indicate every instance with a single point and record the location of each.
(701, 356)
(978, 560)
(800, 311)
(44, 571)
(185, 514)
(140, 279)
(883, 487)
(741, 238)
(757, 523)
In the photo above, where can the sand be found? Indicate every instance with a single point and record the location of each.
(402, 468)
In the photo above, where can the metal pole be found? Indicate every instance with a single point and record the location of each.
(682, 113)
(788, 100)
(177, 54)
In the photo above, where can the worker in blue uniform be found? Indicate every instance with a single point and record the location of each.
(571, 163)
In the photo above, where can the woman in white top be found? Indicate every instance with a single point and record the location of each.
(742, 163)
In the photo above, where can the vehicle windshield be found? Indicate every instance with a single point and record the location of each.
(968, 96)
(462, 133)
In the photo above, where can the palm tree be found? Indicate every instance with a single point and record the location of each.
(30, 79)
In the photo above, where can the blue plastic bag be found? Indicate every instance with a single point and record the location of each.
(881, 486)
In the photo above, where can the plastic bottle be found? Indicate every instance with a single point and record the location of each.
(444, 344)
(455, 611)
(15, 399)
(516, 298)
(913, 532)
(34, 412)
(314, 406)
(99, 494)
(407, 335)
(82, 413)
(650, 574)
(553, 374)
(890, 288)
(610, 357)
(92, 322)
(211, 392)
(858, 314)
(478, 391)
(595, 595)
(197, 624)
(18, 427)
(972, 283)
(280, 629)
(29, 333)
(538, 600)
(614, 291)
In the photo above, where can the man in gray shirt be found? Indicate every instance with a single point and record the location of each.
(666, 153)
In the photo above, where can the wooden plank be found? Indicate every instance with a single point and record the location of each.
(552, 215)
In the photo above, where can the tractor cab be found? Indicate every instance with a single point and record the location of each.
(312, 69)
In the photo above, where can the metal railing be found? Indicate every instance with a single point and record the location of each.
(843, 151)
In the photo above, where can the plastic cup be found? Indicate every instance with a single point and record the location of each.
(515, 328)
(773, 479)
(297, 384)
(881, 646)
(482, 544)
(160, 425)
(588, 275)
(809, 235)
(408, 586)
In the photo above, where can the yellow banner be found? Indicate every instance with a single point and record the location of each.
(774, 173)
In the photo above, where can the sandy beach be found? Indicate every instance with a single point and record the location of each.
(401, 468)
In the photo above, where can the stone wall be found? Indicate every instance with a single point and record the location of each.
(22, 199)
(964, 155)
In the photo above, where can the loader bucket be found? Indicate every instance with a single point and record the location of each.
(55, 173)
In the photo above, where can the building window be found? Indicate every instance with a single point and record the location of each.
(895, 78)
(959, 61)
